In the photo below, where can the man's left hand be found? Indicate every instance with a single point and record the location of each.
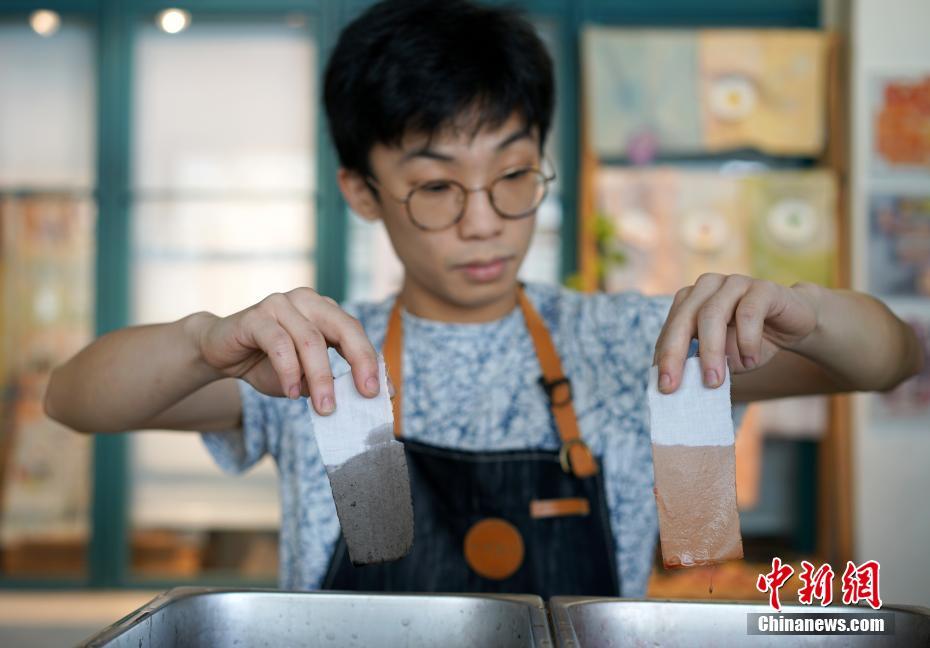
(736, 319)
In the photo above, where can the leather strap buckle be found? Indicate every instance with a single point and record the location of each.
(550, 387)
(564, 458)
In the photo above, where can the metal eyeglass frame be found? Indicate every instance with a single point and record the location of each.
(547, 179)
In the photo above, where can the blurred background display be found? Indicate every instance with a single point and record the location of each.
(688, 91)
(47, 250)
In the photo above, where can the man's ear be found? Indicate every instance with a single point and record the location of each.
(358, 195)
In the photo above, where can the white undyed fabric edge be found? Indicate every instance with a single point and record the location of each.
(343, 434)
(693, 415)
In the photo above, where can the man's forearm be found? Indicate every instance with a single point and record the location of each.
(128, 376)
(859, 340)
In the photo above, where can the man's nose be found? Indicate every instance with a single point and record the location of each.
(480, 219)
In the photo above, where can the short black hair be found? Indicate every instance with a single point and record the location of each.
(425, 65)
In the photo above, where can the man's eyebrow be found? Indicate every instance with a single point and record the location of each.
(526, 131)
(427, 152)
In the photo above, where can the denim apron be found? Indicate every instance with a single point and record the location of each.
(516, 521)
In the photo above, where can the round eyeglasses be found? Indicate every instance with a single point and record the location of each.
(438, 204)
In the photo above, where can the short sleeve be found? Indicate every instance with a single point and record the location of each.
(236, 451)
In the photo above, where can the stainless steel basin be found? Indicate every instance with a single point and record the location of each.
(190, 616)
(601, 623)
(194, 617)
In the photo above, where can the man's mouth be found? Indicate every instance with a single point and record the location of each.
(484, 270)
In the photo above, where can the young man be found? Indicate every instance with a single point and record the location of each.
(440, 112)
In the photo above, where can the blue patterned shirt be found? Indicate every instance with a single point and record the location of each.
(475, 387)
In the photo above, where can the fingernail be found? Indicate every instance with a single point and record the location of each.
(294, 392)
(326, 405)
(748, 362)
(665, 381)
(710, 378)
(372, 385)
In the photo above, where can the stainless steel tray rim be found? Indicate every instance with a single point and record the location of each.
(531, 606)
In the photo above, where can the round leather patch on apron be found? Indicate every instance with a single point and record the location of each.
(494, 548)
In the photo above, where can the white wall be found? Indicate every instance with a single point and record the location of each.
(891, 475)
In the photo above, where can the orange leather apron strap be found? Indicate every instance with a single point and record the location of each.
(393, 350)
(575, 456)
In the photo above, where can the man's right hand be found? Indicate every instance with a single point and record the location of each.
(280, 346)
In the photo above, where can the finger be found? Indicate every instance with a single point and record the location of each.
(311, 346)
(750, 320)
(271, 338)
(346, 334)
(713, 318)
(356, 348)
(676, 302)
(680, 328)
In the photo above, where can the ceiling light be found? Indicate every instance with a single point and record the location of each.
(173, 21)
(44, 22)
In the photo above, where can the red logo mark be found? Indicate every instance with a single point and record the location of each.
(861, 584)
(817, 584)
(773, 581)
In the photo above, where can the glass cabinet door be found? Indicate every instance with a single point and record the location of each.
(47, 218)
(223, 214)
